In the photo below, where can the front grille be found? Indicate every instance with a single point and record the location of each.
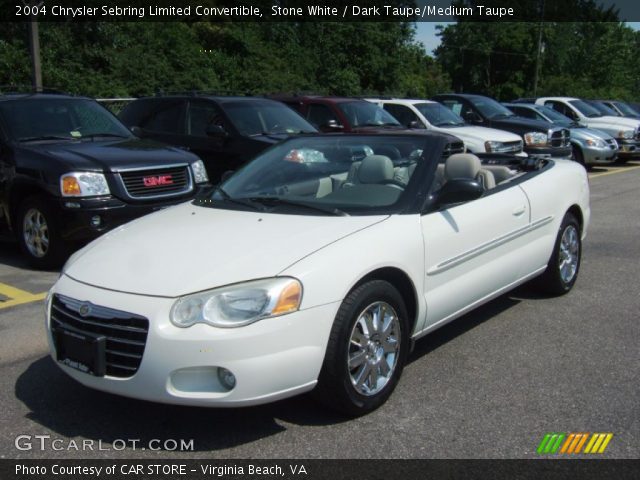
(451, 148)
(637, 136)
(559, 138)
(611, 143)
(157, 182)
(125, 333)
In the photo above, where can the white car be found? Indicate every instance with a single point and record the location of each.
(435, 116)
(626, 131)
(315, 266)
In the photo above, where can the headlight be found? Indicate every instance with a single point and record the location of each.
(238, 305)
(536, 138)
(625, 134)
(199, 172)
(83, 184)
(491, 146)
(595, 142)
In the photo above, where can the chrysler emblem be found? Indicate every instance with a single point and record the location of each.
(85, 309)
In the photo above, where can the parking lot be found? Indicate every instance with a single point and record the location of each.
(489, 385)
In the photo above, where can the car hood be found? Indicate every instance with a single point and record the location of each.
(611, 122)
(587, 133)
(524, 123)
(188, 248)
(482, 134)
(106, 156)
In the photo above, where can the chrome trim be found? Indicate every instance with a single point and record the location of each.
(490, 245)
(188, 187)
(155, 167)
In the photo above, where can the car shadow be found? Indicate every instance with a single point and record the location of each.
(11, 256)
(71, 410)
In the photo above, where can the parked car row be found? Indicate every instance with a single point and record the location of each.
(70, 170)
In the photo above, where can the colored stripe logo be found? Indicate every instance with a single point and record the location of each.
(573, 443)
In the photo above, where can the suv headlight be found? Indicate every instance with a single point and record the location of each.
(199, 172)
(536, 138)
(83, 184)
(491, 146)
(625, 134)
(238, 305)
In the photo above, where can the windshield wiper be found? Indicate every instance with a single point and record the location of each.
(93, 135)
(45, 137)
(238, 201)
(276, 201)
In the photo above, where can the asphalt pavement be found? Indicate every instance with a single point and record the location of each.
(489, 385)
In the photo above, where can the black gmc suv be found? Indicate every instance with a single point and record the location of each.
(224, 131)
(540, 138)
(69, 171)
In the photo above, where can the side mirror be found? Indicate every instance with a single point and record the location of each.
(216, 131)
(332, 126)
(416, 124)
(472, 117)
(458, 190)
(137, 131)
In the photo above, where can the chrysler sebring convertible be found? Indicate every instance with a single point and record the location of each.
(314, 267)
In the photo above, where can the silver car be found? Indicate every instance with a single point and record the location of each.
(589, 145)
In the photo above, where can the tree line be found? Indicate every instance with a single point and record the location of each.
(595, 58)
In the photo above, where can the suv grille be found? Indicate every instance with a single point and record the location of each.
(157, 182)
(451, 148)
(125, 333)
(637, 133)
(560, 138)
(511, 147)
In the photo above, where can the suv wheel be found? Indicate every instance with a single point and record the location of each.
(38, 235)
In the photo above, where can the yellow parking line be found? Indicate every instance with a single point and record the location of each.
(615, 170)
(17, 296)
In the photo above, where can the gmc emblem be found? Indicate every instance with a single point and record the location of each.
(157, 180)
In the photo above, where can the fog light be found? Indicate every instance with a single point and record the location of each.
(227, 379)
(96, 221)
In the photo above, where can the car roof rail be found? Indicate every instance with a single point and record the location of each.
(18, 89)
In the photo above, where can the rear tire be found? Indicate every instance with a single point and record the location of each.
(38, 235)
(367, 349)
(563, 267)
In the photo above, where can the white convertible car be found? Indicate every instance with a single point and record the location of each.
(313, 267)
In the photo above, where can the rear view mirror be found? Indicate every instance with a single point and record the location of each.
(458, 190)
(216, 131)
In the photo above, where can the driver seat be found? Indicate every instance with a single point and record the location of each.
(467, 165)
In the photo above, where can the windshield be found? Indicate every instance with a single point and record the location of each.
(603, 109)
(585, 109)
(626, 109)
(438, 115)
(261, 118)
(490, 108)
(336, 175)
(365, 114)
(554, 116)
(53, 119)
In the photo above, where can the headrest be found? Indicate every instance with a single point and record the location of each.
(375, 169)
(462, 165)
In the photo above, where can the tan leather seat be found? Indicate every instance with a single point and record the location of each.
(467, 165)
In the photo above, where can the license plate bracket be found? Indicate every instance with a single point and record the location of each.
(80, 350)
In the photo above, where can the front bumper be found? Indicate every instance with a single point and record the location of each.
(598, 154)
(553, 152)
(271, 359)
(76, 214)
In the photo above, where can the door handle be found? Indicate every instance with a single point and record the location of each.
(519, 210)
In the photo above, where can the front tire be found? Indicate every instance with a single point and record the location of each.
(38, 235)
(367, 349)
(563, 267)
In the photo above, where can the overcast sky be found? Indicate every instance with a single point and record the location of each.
(426, 33)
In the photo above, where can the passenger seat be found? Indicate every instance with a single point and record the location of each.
(467, 165)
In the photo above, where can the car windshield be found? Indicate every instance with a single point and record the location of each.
(252, 118)
(585, 109)
(603, 109)
(438, 115)
(626, 109)
(554, 116)
(59, 119)
(365, 114)
(328, 175)
(490, 108)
